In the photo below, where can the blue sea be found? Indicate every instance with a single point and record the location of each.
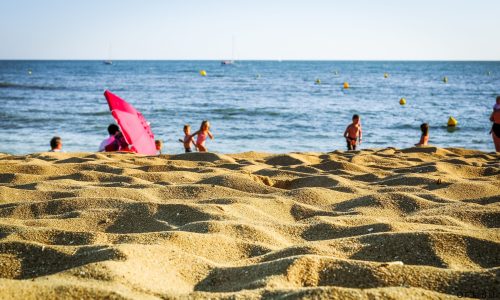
(272, 106)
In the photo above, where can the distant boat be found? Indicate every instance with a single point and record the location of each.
(108, 61)
(229, 61)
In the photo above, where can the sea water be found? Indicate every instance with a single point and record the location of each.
(271, 106)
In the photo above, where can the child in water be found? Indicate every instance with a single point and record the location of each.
(202, 136)
(495, 128)
(56, 144)
(424, 139)
(353, 132)
(188, 138)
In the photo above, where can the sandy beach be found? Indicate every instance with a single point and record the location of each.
(386, 223)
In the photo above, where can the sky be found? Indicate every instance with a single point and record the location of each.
(206, 29)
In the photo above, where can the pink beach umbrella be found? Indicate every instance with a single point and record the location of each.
(134, 127)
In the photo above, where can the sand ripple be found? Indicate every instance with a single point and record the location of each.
(411, 223)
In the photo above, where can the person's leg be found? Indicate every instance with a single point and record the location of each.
(496, 141)
(349, 145)
(354, 147)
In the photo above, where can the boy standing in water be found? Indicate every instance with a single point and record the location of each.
(353, 132)
(188, 138)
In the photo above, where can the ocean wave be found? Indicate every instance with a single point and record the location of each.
(97, 113)
(20, 86)
(245, 112)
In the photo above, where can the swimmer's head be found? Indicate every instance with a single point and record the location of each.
(56, 143)
(187, 129)
(355, 119)
(425, 129)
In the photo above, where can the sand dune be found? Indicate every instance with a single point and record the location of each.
(385, 223)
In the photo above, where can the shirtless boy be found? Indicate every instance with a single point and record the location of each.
(353, 132)
(188, 139)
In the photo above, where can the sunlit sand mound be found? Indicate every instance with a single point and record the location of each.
(386, 223)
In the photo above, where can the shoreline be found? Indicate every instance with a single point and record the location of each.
(419, 222)
(424, 149)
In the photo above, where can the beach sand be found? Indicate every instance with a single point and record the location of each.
(386, 223)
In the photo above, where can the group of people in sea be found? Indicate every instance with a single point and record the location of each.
(117, 142)
(353, 135)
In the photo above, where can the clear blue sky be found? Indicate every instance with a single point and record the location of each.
(203, 29)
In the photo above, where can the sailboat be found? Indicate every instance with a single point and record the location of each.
(231, 61)
(108, 61)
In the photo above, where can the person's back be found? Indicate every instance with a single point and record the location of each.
(424, 138)
(112, 130)
(119, 144)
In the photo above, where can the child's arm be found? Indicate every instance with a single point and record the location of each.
(360, 134)
(346, 134)
(191, 137)
(210, 135)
